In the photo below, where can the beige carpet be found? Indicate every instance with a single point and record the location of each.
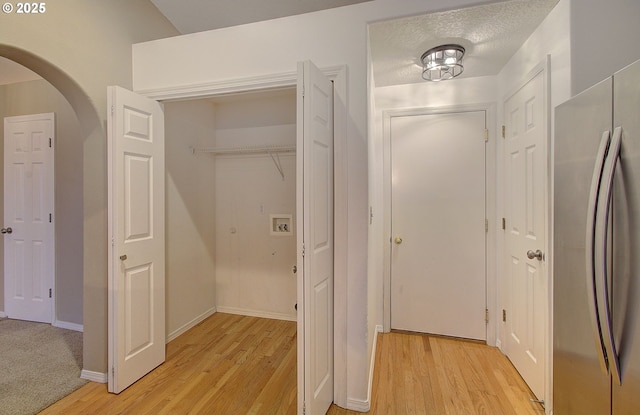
(39, 364)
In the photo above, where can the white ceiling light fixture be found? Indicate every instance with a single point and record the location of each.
(442, 62)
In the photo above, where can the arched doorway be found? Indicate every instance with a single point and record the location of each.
(72, 201)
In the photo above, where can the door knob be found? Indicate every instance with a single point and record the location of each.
(6, 230)
(397, 240)
(123, 257)
(537, 254)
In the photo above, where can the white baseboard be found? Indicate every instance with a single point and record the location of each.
(67, 325)
(257, 313)
(94, 376)
(181, 330)
(3, 314)
(358, 404)
(499, 344)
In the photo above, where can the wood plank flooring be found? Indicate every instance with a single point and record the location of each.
(227, 364)
(232, 364)
(422, 374)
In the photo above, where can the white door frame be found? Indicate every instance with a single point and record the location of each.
(490, 207)
(338, 74)
(51, 232)
(545, 67)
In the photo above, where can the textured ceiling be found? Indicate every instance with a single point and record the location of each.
(491, 34)
(190, 16)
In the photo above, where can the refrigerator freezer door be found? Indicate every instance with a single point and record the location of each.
(626, 241)
(579, 385)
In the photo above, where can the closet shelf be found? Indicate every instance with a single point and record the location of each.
(272, 151)
(245, 150)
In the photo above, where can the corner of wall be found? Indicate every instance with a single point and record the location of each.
(365, 405)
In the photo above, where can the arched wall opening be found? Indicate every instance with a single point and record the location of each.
(75, 206)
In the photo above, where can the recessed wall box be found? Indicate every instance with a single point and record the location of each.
(281, 225)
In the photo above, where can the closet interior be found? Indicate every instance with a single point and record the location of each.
(231, 201)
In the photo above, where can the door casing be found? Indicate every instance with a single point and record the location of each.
(504, 300)
(49, 207)
(490, 207)
(338, 74)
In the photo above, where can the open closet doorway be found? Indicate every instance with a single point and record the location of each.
(133, 123)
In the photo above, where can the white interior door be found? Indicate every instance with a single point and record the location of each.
(525, 191)
(315, 239)
(136, 230)
(28, 229)
(438, 277)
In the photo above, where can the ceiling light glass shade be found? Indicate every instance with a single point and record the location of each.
(442, 62)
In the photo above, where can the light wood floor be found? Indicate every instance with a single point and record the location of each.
(244, 365)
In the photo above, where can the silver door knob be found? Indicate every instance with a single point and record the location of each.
(537, 254)
(397, 240)
(6, 230)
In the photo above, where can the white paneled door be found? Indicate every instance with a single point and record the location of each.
(438, 277)
(136, 232)
(315, 239)
(28, 230)
(525, 190)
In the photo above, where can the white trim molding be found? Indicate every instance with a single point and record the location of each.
(185, 327)
(3, 314)
(92, 376)
(232, 86)
(358, 404)
(491, 210)
(338, 74)
(257, 313)
(68, 326)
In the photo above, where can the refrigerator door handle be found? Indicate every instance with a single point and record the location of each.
(602, 270)
(590, 251)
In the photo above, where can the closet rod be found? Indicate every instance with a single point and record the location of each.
(244, 150)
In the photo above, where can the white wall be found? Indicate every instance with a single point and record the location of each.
(190, 215)
(254, 268)
(604, 39)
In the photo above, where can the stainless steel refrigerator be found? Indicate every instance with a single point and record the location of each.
(596, 249)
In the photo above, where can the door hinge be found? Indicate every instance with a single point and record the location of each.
(486, 315)
(486, 225)
(50, 218)
(370, 215)
(504, 315)
(504, 131)
(112, 110)
(504, 224)
(304, 408)
(303, 250)
(49, 142)
(486, 135)
(50, 293)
